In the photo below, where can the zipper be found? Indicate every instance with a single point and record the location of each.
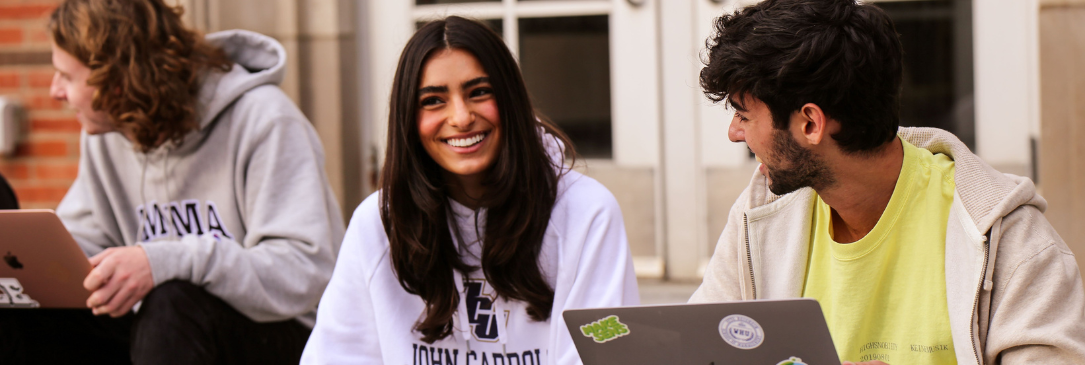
(749, 255)
(976, 302)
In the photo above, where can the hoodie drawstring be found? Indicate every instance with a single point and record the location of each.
(166, 173)
(145, 162)
(464, 327)
(142, 194)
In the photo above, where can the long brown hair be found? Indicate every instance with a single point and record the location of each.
(145, 64)
(521, 186)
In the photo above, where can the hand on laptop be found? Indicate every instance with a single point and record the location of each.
(120, 278)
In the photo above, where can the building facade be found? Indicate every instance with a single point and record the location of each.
(620, 76)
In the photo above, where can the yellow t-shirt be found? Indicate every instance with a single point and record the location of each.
(884, 296)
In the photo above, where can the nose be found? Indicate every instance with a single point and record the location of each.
(55, 89)
(460, 115)
(735, 133)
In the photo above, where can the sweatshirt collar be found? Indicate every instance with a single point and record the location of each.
(986, 194)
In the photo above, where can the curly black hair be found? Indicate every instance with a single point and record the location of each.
(843, 56)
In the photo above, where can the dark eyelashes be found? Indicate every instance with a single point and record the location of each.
(432, 100)
(477, 92)
(482, 91)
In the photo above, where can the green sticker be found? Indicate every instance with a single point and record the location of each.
(605, 329)
(792, 361)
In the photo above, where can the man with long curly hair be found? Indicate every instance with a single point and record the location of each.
(201, 195)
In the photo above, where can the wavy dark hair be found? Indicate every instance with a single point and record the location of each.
(521, 186)
(843, 56)
(145, 64)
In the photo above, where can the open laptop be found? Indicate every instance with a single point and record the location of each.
(769, 332)
(42, 265)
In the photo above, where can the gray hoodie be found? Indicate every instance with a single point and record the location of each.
(1013, 288)
(242, 207)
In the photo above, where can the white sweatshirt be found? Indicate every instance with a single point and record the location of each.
(365, 316)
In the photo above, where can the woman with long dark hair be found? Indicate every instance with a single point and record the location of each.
(479, 237)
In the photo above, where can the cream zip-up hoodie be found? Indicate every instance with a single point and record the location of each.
(1012, 285)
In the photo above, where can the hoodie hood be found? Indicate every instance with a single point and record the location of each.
(987, 194)
(555, 149)
(258, 60)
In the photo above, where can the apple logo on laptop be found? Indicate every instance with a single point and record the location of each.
(13, 261)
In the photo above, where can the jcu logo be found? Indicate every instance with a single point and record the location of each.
(479, 300)
(605, 329)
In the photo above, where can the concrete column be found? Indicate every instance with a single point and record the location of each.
(1062, 125)
(1004, 74)
(683, 172)
(329, 91)
(321, 75)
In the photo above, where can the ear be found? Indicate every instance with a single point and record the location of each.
(812, 123)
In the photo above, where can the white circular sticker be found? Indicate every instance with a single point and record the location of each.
(741, 331)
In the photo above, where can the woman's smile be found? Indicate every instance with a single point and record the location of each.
(464, 144)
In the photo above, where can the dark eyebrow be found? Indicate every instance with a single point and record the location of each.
(735, 105)
(475, 81)
(444, 89)
(433, 89)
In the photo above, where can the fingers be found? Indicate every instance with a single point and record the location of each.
(103, 295)
(100, 275)
(126, 306)
(116, 305)
(121, 277)
(97, 259)
(131, 292)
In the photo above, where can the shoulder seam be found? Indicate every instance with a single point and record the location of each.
(1025, 261)
(370, 275)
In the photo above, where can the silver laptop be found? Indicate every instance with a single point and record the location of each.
(42, 265)
(770, 332)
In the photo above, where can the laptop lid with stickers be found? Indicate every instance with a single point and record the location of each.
(42, 265)
(771, 332)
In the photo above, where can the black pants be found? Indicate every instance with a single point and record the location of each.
(178, 323)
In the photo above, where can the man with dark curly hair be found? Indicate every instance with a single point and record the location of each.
(917, 250)
(201, 199)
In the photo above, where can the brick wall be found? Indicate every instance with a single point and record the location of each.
(45, 162)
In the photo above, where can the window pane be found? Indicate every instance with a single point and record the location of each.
(430, 2)
(566, 65)
(938, 86)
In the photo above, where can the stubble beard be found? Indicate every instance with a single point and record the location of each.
(804, 168)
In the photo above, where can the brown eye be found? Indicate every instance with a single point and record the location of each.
(482, 91)
(430, 101)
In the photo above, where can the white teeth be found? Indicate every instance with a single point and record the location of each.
(465, 142)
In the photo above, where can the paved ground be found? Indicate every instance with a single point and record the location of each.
(654, 291)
